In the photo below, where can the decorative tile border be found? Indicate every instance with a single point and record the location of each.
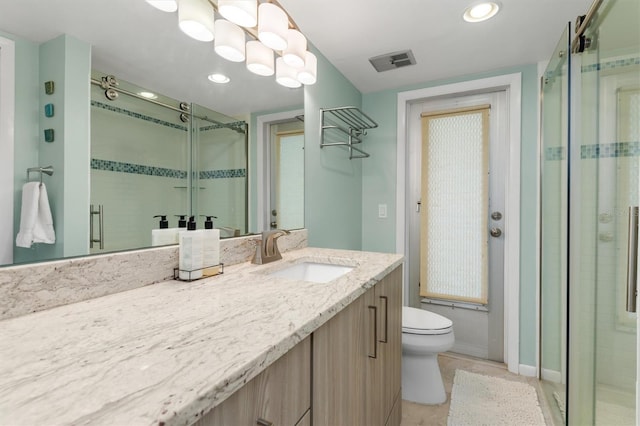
(223, 174)
(610, 150)
(618, 63)
(237, 125)
(555, 153)
(137, 115)
(140, 169)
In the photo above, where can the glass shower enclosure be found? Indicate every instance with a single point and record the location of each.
(590, 184)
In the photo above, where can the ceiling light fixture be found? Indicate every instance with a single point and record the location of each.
(479, 12)
(259, 58)
(308, 74)
(164, 5)
(240, 12)
(268, 27)
(229, 41)
(293, 55)
(272, 26)
(286, 75)
(219, 78)
(195, 18)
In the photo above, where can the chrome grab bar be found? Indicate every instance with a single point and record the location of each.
(632, 259)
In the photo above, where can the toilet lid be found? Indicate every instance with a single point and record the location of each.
(418, 321)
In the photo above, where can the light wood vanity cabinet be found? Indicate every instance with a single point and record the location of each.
(280, 395)
(356, 360)
(350, 366)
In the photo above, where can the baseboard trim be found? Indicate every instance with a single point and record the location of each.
(527, 370)
(551, 375)
(470, 349)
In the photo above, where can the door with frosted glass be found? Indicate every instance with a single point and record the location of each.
(461, 224)
(287, 179)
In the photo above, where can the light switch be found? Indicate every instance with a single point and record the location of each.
(382, 211)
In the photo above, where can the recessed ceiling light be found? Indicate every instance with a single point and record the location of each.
(479, 12)
(219, 78)
(148, 95)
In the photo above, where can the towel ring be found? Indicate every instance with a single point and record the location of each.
(47, 170)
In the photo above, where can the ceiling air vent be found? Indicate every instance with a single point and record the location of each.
(391, 61)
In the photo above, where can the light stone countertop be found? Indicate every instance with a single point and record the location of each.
(166, 354)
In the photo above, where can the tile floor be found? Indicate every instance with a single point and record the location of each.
(433, 415)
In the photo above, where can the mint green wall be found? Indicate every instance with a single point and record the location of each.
(67, 62)
(26, 128)
(333, 183)
(379, 186)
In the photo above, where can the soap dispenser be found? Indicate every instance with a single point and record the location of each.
(164, 235)
(190, 262)
(211, 248)
(182, 220)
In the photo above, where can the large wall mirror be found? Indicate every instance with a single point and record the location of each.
(170, 142)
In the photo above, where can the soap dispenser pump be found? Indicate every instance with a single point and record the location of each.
(164, 223)
(182, 221)
(208, 222)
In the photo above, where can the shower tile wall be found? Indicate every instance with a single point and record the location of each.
(222, 175)
(139, 157)
(611, 163)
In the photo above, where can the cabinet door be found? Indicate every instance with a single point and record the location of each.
(389, 299)
(341, 350)
(280, 395)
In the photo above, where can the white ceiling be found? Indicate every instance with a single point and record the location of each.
(349, 32)
(137, 43)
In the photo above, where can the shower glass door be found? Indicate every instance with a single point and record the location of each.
(554, 87)
(604, 184)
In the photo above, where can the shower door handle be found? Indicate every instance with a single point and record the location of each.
(632, 259)
(100, 213)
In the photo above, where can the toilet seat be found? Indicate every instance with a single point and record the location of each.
(418, 321)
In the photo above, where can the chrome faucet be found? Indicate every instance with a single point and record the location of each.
(267, 249)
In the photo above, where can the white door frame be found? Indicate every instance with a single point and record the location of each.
(262, 163)
(7, 115)
(512, 83)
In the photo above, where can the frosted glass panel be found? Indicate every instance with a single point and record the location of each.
(291, 182)
(454, 201)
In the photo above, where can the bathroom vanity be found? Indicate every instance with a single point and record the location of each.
(244, 347)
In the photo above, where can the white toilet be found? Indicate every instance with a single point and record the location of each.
(424, 335)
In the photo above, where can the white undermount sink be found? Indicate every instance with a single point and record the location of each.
(312, 271)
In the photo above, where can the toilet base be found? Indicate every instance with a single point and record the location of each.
(422, 380)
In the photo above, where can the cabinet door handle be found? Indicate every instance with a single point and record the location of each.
(373, 331)
(385, 328)
(263, 422)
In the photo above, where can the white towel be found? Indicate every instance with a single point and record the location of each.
(36, 223)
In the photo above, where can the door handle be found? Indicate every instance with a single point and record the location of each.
(495, 232)
(632, 259)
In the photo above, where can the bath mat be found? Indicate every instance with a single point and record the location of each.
(484, 400)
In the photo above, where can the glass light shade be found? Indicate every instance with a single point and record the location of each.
(259, 58)
(240, 12)
(293, 55)
(164, 5)
(286, 75)
(272, 26)
(229, 41)
(196, 19)
(309, 73)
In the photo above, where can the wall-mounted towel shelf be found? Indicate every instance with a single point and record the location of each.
(338, 124)
(48, 170)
